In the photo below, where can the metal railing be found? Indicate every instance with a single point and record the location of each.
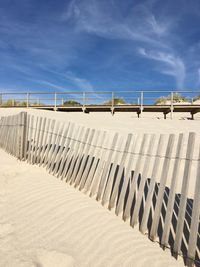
(100, 98)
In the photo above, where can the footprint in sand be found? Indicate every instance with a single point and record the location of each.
(6, 229)
(53, 258)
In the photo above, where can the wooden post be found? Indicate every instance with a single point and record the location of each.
(172, 105)
(22, 134)
(1, 99)
(141, 102)
(27, 100)
(184, 192)
(55, 101)
(112, 103)
(192, 246)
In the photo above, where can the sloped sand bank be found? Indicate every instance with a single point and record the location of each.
(46, 223)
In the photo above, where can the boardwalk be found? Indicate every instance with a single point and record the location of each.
(165, 102)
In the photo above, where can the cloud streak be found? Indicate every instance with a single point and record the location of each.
(170, 65)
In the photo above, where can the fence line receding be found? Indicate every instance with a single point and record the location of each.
(151, 180)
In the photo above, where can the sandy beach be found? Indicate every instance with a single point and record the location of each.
(47, 223)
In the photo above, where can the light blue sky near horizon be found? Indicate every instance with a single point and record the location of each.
(93, 45)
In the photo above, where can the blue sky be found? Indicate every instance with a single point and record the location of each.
(88, 45)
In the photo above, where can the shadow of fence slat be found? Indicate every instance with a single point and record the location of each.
(145, 178)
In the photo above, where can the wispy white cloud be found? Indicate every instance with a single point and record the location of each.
(97, 18)
(170, 64)
(81, 83)
(157, 27)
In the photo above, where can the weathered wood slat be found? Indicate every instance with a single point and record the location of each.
(31, 130)
(98, 172)
(143, 226)
(127, 175)
(192, 245)
(137, 170)
(97, 158)
(74, 154)
(58, 144)
(45, 141)
(71, 151)
(120, 172)
(61, 150)
(106, 167)
(184, 191)
(37, 138)
(172, 193)
(117, 155)
(163, 179)
(89, 161)
(144, 173)
(40, 142)
(66, 151)
(52, 136)
(84, 158)
(55, 144)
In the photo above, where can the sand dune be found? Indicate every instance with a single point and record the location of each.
(46, 223)
(121, 122)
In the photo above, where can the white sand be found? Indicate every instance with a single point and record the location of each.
(46, 223)
(121, 122)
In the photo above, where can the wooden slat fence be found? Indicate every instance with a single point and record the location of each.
(151, 180)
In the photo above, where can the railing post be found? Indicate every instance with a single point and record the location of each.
(27, 100)
(22, 134)
(55, 101)
(172, 105)
(1, 99)
(112, 103)
(84, 99)
(141, 101)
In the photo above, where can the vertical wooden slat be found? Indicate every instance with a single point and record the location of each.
(38, 135)
(84, 159)
(26, 136)
(143, 226)
(106, 167)
(31, 132)
(184, 191)
(174, 180)
(41, 137)
(120, 171)
(54, 144)
(91, 154)
(57, 147)
(51, 141)
(126, 214)
(127, 174)
(117, 157)
(66, 150)
(45, 141)
(61, 150)
(70, 151)
(144, 173)
(35, 126)
(159, 201)
(75, 153)
(97, 158)
(103, 160)
(194, 229)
